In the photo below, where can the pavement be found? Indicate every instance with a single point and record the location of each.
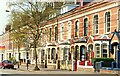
(23, 69)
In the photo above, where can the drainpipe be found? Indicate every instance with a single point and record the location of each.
(119, 26)
(119, 18)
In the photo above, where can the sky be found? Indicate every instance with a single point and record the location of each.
(4, 16)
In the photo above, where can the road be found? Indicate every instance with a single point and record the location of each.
(10, 72)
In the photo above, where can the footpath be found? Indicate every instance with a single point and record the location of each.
(23, 68)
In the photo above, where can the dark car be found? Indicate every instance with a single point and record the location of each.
(6, 64)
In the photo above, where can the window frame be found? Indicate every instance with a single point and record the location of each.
(86, 22)
(50, 33)
(97, 55)
(103, 49)
(62, 31)
(69, 29)
(56, 33)
(96, 26)
(77, 23)
(107, 22)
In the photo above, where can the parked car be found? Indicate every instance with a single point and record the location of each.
(6, 64)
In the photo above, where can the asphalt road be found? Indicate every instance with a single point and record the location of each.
(10, 72)
(58, 75)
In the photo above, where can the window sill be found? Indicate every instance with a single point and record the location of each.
(107, 32)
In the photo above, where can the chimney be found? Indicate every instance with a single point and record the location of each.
(78, 2)
(81, 2)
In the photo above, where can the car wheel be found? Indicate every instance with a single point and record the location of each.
(4, 67)
(12, 67)
(1, 67)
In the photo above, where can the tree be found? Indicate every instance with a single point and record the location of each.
(18, 41)
(28, 17)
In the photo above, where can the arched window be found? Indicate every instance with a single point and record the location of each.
(107, 22)
(56, 33)
(96, 24)
(50, 33)
(77, 28)
(76, 52)
(82, 52)
(62, 31)
(85, 27)
(90, 48)
(53, 53)
(69, 30)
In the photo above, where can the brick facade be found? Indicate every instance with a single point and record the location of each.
(79, 43)
(77, 34)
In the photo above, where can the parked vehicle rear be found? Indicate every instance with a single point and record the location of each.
(6, 64)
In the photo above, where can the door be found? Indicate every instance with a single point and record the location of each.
(118, 58)
(58, 64)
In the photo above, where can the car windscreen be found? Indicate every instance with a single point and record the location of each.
(7, 61)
